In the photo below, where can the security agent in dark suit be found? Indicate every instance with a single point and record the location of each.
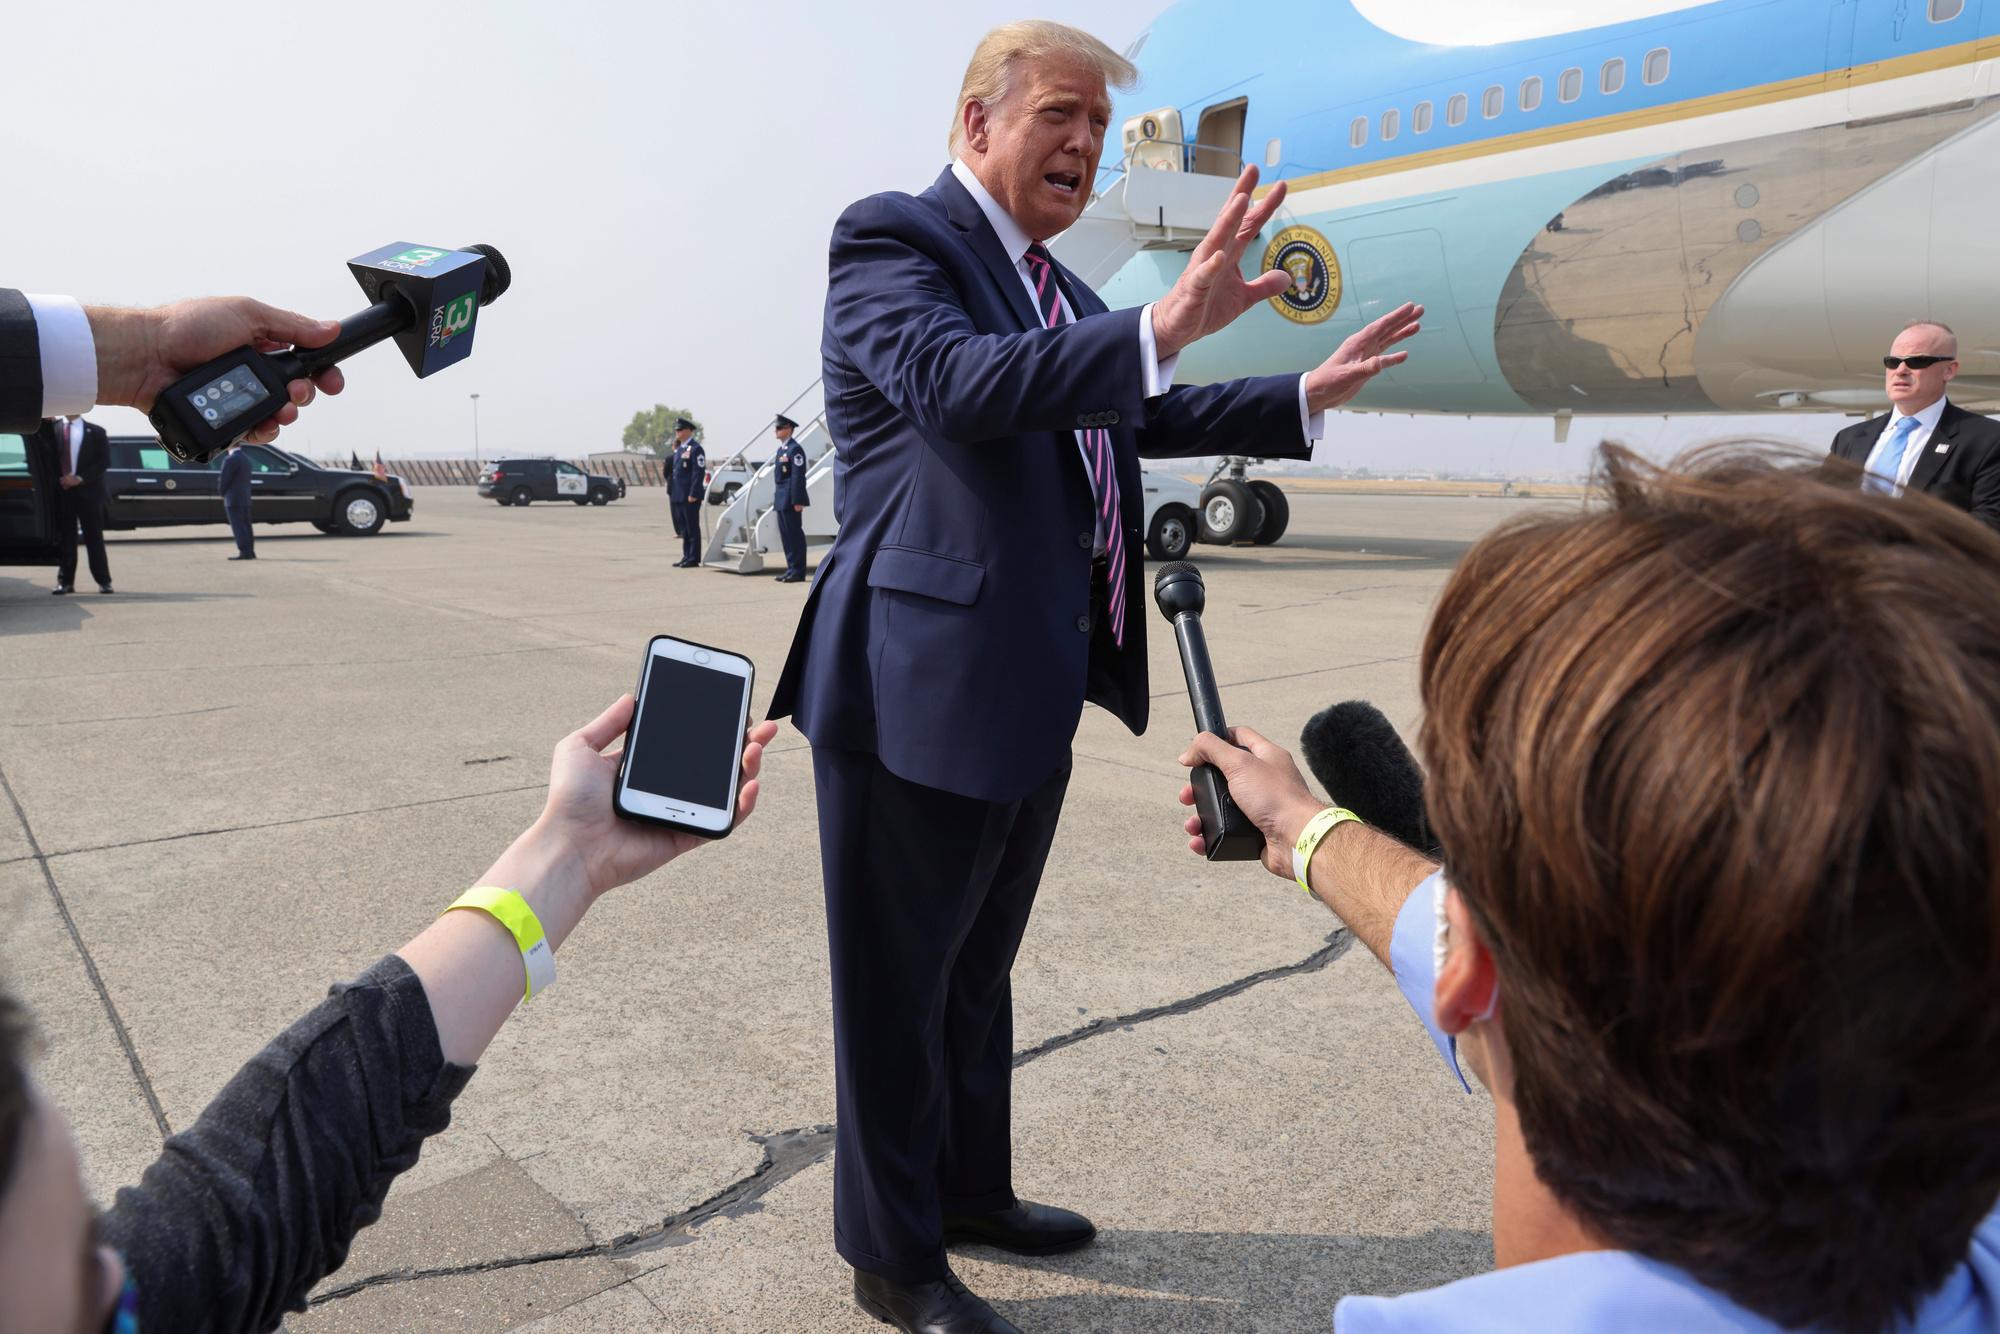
(234, 483)
(686, 478)
(83, 453)
(989, 414)
(790, 469)
(1926, 443)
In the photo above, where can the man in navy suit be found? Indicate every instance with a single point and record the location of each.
(234, 483)
(790, 501)
(988, 414)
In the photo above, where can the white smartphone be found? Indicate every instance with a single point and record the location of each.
(683, 757)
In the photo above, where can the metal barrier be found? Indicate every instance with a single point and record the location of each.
(634, 472)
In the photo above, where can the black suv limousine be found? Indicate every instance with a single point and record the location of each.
(524, 481)
(145, 487)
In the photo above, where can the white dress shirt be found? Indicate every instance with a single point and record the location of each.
(1158, 371)
(1920, 439)
(69, 355)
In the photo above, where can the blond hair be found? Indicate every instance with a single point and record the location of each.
(989, 77)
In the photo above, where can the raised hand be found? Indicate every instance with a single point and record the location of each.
(1361, 358)
(1211, 292)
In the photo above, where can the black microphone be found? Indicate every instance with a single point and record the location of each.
(424, 297)
(1225, 829)
(1361, 761)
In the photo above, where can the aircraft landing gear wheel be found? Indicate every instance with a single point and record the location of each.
(522, 496)
(1277, 512)
(1172, 535)
(1231, 512)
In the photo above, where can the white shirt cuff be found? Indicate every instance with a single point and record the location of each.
(1311, 424)
(69, 355)
(1159, 373)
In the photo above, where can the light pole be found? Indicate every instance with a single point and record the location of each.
(475, 432)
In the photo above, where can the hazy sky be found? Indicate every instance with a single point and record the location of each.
(662, 178)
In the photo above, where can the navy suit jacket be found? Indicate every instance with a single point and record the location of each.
(234, 479)
(948, 630)
(1961, 462)
(790, 467)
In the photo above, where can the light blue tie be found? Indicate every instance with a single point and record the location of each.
(1882, 476)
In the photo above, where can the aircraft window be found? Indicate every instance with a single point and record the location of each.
(1531, 93)
(1570, 86)
(1658, 61)
(1392, 124)
(1493, 101)
(1944, 11)
(1420, 119)
(1612, 77)
(1454, 110)
(1274, 153)
(13, 456)
(1357, 133)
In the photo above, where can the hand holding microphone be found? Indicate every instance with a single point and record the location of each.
(1227, 835)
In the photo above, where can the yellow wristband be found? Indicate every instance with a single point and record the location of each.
(1309, 837)
(512, 911)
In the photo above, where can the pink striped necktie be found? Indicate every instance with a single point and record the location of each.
(1097, 445)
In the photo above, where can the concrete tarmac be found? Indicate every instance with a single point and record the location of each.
(228, 785)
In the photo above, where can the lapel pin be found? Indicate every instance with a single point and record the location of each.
(1944, 447)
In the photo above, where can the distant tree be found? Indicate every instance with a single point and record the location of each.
(653, 428)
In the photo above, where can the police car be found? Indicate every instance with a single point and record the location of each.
(524, 481)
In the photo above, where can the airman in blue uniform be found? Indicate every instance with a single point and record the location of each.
(686, 480)
(791, 500)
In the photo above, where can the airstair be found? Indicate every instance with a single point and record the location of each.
(746, 532)
(1145, 207)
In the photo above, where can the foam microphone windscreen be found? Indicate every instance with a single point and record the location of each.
(1361, 761)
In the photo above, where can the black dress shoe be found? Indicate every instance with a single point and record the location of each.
(104, 588)
(244, 556)
(61, 590)
(943, 1307)
(1026, 1229)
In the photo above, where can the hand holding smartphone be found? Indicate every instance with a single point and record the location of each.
(684, 751)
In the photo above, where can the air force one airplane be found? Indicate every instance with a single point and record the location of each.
(1722, 207)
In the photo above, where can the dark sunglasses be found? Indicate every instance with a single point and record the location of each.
(1914, 363)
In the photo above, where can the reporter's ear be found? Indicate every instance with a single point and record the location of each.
(1468, 985)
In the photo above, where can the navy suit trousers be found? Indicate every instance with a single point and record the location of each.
(690, 528)
(792, 533)
(927, 896)
(239, 524)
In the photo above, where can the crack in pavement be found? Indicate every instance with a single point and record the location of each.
(89, 964)
(790, 1152)
(1294, 676)
(121, 717)
(276, 824)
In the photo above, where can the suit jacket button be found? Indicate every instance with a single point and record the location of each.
(1110, 419)
(1086, 540)
(1083, 624)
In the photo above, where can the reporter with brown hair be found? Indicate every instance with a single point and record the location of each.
(1716, 768)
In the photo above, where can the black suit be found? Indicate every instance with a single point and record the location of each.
(234, 482)
(82, 504)
(1960, 463)
(20, 365)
